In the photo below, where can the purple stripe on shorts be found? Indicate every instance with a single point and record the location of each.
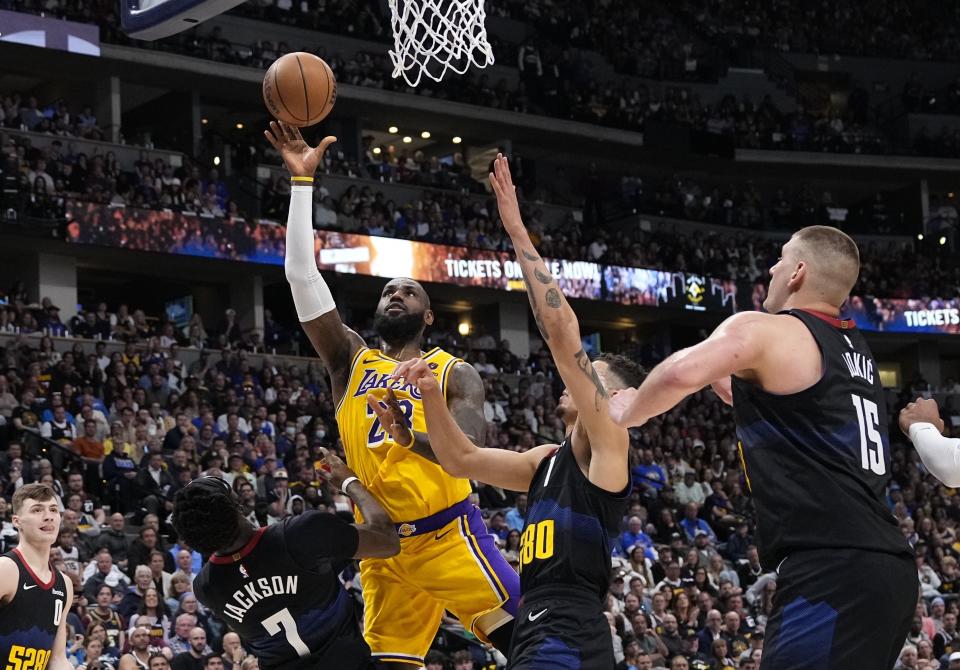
(488, 547)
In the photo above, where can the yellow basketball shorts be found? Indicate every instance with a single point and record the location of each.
(448, 561)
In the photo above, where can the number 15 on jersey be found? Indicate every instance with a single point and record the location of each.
(871, 444)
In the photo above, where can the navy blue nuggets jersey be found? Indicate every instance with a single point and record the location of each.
(817, 462)
(30, 620)
(566, 539)
(282, 594)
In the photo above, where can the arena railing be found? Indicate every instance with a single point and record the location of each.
(126, 154)
(36, 446)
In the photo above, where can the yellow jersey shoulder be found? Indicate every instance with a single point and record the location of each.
(371, 370)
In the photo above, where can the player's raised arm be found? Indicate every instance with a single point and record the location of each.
(736, 346)
(921, 422)
(457, 453)
(378, 536)
(317, 312)
(561, 332)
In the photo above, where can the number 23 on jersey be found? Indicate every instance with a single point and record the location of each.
(377, 434)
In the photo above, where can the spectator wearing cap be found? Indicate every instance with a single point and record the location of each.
(237, 468)
(691, 523)
(937, 609)
(953, 661)
(690, 490)
(671, 579)
(618, 576)
(702, 543)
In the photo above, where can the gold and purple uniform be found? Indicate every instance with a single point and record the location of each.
(448, 560)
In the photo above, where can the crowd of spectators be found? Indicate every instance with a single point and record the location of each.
(155, 332)
(890, 28)
(562, 84)
(567, 87)
(140, 423)
(48, 175)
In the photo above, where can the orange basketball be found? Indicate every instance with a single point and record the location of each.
(299, 89)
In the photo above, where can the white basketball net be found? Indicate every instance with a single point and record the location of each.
(433, 36)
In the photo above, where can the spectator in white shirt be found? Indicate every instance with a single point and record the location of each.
(690, 490)
(493, 411)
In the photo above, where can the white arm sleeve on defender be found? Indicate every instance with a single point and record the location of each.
(311, 295)
(940, 455)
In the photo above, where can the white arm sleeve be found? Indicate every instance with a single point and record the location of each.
(311, 295)
(940, 455)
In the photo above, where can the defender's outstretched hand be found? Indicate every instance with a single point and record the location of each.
(506, 192)
(392, 418)
(300, 158)
(417, 371)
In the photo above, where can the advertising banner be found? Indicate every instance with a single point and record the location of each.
(463, 266)
(264, 241)
(662, 288)
(895, 315)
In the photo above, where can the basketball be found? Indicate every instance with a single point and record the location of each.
(299, 89)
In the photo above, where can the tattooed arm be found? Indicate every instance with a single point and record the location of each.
(560, 330)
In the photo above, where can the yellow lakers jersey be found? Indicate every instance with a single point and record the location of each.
(408, 486)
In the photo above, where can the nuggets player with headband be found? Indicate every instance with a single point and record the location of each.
(448, 560)
(577, 490)
(34, 597)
